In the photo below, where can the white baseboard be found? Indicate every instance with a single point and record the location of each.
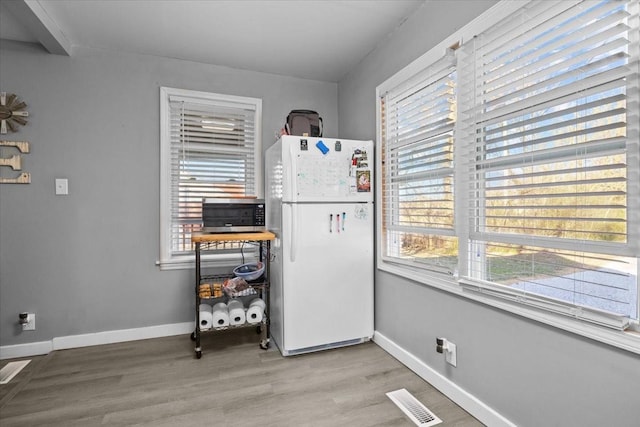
(98, 338)
(464, 399)
(25, 350)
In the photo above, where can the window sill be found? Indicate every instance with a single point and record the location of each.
(626, 340)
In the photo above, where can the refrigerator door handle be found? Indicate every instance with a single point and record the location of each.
(293, 232)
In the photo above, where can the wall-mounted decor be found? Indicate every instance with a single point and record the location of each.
(15, 162)
(23, 146)
(23, 178)
(12, 112)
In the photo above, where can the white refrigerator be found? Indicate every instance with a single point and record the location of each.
(319, 201)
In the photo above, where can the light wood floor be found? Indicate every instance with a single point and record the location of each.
(159, 382)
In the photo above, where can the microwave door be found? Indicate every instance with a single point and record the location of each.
(231, 216)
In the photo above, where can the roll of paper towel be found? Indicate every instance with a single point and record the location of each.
(255, 311)
(220, 315)
(237, 315)
(206, 316)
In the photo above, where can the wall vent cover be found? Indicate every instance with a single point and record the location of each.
(413, 408)
(11, 369)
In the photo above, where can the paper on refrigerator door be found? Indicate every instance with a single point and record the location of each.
(338, 173)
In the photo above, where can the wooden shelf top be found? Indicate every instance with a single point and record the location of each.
(231, 237)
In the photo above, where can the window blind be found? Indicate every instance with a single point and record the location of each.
(418, 119)
(549, 127)
(213, 149)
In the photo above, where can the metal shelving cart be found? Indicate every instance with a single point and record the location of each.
(204, 242)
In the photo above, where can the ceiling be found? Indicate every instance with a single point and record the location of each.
(311, 39)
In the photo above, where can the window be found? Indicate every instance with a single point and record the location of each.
(210, 147)
(551, 147)
(547, 166)
(417, 184)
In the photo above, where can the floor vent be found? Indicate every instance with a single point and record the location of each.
(416, 411)
(11, 369)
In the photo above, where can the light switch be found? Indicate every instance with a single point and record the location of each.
(62, 186)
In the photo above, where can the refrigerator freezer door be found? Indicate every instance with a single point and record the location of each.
(327, 274)
(326, 170)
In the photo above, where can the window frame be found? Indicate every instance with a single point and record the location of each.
(168, 260)
(628, 339)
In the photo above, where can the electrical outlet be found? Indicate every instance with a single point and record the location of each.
(451, 355)
(445, 346)
(30, 325)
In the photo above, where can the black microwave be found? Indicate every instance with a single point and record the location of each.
(233, 215)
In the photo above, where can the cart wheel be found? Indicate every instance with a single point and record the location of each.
(198, 354)
(264, 344)
(193, 336)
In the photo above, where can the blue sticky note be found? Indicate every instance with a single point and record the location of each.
(322, 147)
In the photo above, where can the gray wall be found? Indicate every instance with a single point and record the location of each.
(530, 373)
(85, 262)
